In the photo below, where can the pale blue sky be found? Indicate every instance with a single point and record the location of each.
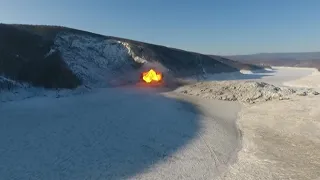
(222, 27)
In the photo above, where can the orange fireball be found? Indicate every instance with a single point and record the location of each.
(151, 76)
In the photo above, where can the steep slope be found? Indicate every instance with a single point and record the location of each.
(24, 57)
(237, 64)
(59, 57)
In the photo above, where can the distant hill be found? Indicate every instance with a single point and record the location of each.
(279, 56)
(61, 57)
(300, 59)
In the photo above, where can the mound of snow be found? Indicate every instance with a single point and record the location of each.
(268, 69)
(249, 92)
(242, 71)
(11, 90)
(7, 84)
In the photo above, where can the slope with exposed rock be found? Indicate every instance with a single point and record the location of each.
(59, 57)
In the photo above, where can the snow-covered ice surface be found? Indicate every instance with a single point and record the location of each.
(310, 81)
(279, 75)
(276, 76)
(116, 134)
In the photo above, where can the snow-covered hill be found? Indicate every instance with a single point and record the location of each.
(98, 60)
(58, 57)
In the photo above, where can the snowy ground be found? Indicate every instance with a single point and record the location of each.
(115, 134)
(279, 75)
(281, 139)
(311, 81)
(133, 133)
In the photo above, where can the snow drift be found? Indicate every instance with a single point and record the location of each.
(247, 92)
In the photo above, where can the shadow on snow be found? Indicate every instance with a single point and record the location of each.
(106, 134)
